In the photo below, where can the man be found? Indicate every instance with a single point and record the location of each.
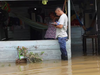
(61, 32)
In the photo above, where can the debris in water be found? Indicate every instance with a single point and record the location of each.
(2, 66)
(9, 65)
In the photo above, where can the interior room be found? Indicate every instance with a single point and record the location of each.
(19, 25)
(22, 13)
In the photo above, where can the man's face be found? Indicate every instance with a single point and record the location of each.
(57, 12)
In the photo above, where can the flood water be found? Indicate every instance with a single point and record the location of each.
(84, 65)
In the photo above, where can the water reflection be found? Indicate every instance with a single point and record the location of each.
(54, 67)
(88, 65)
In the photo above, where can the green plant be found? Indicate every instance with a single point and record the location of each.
(32, 57)
(9, 65)
(22, 51)
(2, 65)
(42, 53)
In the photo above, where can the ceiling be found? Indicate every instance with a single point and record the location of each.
(33, 3)
(30, 3)
(30, 0)
(82, 1)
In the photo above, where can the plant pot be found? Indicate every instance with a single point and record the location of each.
(21, 60)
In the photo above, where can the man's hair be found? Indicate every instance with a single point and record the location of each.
(59, 8)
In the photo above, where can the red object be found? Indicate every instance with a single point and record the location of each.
(8, 8)
(75, 23)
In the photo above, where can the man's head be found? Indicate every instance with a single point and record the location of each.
(59, 11)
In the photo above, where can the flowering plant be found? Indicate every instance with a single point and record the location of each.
(32, 57)
(22, 51)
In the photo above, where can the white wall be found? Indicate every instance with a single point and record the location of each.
(8, 51)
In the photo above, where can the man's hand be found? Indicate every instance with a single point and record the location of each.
(57, 26)
(54, 24)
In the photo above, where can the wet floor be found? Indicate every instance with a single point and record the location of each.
(84, 65)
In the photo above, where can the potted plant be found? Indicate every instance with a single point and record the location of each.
(22, 54)
(31, 57)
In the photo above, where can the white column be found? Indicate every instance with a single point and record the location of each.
(69, 17)
(69, 25)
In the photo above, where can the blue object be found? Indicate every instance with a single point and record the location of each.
(88, 29)
(62, 42)
(57, 22)
(79, 20)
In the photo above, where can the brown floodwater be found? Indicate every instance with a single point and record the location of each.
(83, 65)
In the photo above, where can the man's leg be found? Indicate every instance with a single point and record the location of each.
(62, 42)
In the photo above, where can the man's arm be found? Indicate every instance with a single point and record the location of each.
(58, 26)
